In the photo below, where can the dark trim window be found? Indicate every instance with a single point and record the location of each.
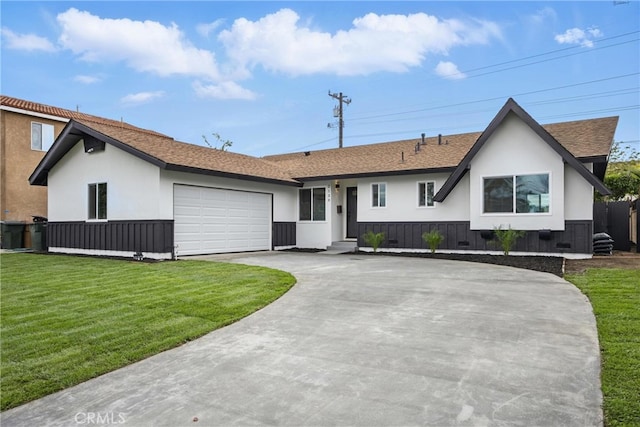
(426, 191)
(517, 194)
(379, 195)
(312, 204)
(41, 136)
(98, 201)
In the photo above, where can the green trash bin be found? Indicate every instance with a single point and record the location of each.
(38, 231)
(12, 234)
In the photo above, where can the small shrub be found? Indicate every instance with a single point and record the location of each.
(373, 239)
(433, 238)
(507, 238)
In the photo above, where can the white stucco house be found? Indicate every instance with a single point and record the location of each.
(117, 190)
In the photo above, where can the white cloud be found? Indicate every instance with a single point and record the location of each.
(28, 42)
(449, 70)
(594, 32)
(544, 14)
(87, 79)
(205, 29)
(579, 36)
(223, 90)
(141, 97)
(392, 43)
(145, 46)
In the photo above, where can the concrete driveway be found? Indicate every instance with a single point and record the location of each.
(366, 341)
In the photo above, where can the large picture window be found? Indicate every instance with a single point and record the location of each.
(379, 195)
(312, 204)
(517, 194)
(98, 201)
(426, 191)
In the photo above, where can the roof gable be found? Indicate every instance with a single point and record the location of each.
(163, 152)
(512, 107)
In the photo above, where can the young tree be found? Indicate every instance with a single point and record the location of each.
(226, 144)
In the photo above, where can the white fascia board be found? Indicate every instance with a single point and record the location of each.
(34, 114)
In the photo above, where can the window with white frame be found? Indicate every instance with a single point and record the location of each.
(97, 201)
(426, 192)
(379, 195)
(312, 204)
(517, 194)
(41, 136)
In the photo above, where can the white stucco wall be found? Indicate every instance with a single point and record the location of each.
(132, 185)
(515, 149)
(402, 200)
(578, 205)
(137, 189)
(285, 198)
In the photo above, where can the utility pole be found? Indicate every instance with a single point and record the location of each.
(337, 112)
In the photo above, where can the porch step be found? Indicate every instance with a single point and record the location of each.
(341, 247)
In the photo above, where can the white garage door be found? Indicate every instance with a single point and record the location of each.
(213, 220)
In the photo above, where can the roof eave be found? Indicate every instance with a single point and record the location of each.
(210, 172)
(60, 147)
(72, 133)
(374, 174)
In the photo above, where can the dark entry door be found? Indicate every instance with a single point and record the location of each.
(352, 212)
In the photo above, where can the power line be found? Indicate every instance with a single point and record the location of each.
(498, 97)
(552, 59)
(584, 97)
(539, 55)
(477, 126)
(545, 54)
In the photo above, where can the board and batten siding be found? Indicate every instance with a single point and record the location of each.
(575, 239)
(112, 237)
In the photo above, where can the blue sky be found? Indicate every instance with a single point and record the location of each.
(259, 73)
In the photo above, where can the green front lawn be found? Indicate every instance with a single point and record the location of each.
(615, 297)
(68, 319)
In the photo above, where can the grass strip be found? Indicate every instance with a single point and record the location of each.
(615, 298)
(67, 319)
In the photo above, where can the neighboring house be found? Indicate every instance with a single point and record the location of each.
(121, 191)
(27, 131)
(25, 137)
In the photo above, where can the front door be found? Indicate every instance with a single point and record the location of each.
(352, 212)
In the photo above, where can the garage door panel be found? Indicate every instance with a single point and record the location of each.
(214, 228)
(214, 212)
(214, 194)
(212, 220)
(238, 213)
(187, 210)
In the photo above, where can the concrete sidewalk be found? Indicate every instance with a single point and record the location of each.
(366, 341)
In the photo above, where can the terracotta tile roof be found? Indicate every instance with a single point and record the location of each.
(583, 138)
(192, 156)
(66, 114)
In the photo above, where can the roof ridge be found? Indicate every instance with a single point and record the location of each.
(41, 108)
(122, 125)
